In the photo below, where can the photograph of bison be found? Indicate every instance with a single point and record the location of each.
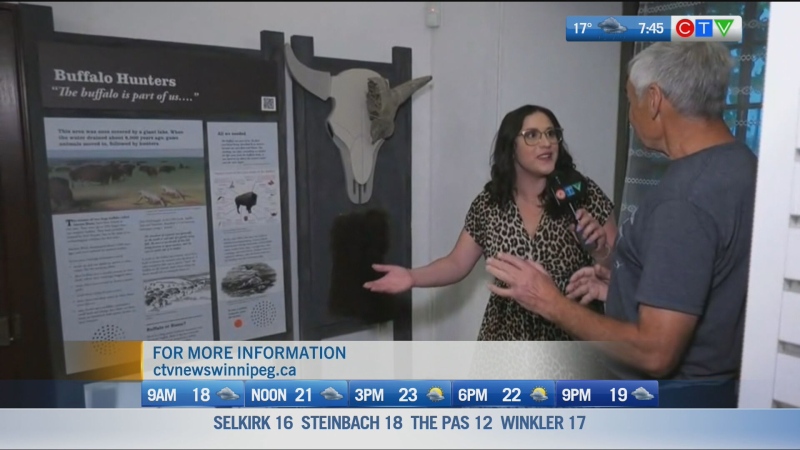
(80, 185)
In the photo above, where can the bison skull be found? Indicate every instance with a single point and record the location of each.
(362, 117)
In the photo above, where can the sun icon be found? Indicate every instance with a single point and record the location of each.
(539, 394)
(435, 394)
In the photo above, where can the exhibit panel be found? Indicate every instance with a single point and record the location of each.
(248, 241)
(129, 230)
(352, 126)
(161, 182)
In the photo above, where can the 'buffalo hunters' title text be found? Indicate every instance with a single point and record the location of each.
(85, 76)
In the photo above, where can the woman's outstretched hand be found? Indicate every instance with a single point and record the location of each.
(396, 280)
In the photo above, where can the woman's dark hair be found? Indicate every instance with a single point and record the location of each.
(502, 185)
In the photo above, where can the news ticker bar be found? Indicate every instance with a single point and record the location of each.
(654, 28)
(400, 394)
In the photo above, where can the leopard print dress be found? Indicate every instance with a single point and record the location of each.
(553, 245)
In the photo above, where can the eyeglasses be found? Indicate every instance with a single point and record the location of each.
(553, 135)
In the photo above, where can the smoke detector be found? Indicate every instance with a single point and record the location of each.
(433, 14)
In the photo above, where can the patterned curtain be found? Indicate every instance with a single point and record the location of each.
(745, 93)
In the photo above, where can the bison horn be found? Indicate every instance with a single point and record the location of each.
(316, 82)
(383, 103)
(404, 91)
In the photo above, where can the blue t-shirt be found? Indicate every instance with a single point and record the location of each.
(687, 249)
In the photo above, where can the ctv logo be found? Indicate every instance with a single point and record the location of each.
(568, 191)
(710, 28)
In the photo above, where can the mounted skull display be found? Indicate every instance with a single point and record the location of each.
(362, 117)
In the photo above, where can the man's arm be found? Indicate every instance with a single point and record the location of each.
(654, 346)
(678, 258)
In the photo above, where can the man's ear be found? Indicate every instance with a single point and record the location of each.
(655, 96)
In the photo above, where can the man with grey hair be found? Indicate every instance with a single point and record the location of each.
(675, 302)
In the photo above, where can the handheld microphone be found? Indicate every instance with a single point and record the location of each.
(568, 190)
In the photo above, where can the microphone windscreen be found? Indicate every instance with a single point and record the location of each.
(567, 186)
(568, 190)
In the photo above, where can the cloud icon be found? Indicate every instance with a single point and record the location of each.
(611, 25)
(642, 394)
(331, 394)
(227, 394)
(434, 396)
(539, 394)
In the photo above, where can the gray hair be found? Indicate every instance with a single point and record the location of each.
(693, 75)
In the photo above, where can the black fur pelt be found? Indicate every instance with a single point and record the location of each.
(359, 240)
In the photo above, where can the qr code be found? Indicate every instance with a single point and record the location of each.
(268, 104)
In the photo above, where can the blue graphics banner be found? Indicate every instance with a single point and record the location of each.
(401, 394)
(654, 28)
(212, 394)
(295, 394)
(502, 393)
(608, 394)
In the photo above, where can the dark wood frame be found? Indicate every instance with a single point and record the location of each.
(272, 50)
(623, 126)
(21, 275)
(28, 235)
(400, 68)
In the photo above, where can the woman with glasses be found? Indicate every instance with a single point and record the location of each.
(514, 214)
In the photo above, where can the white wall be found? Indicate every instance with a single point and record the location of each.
(771, 358)
(486, 59)
(490, 58)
